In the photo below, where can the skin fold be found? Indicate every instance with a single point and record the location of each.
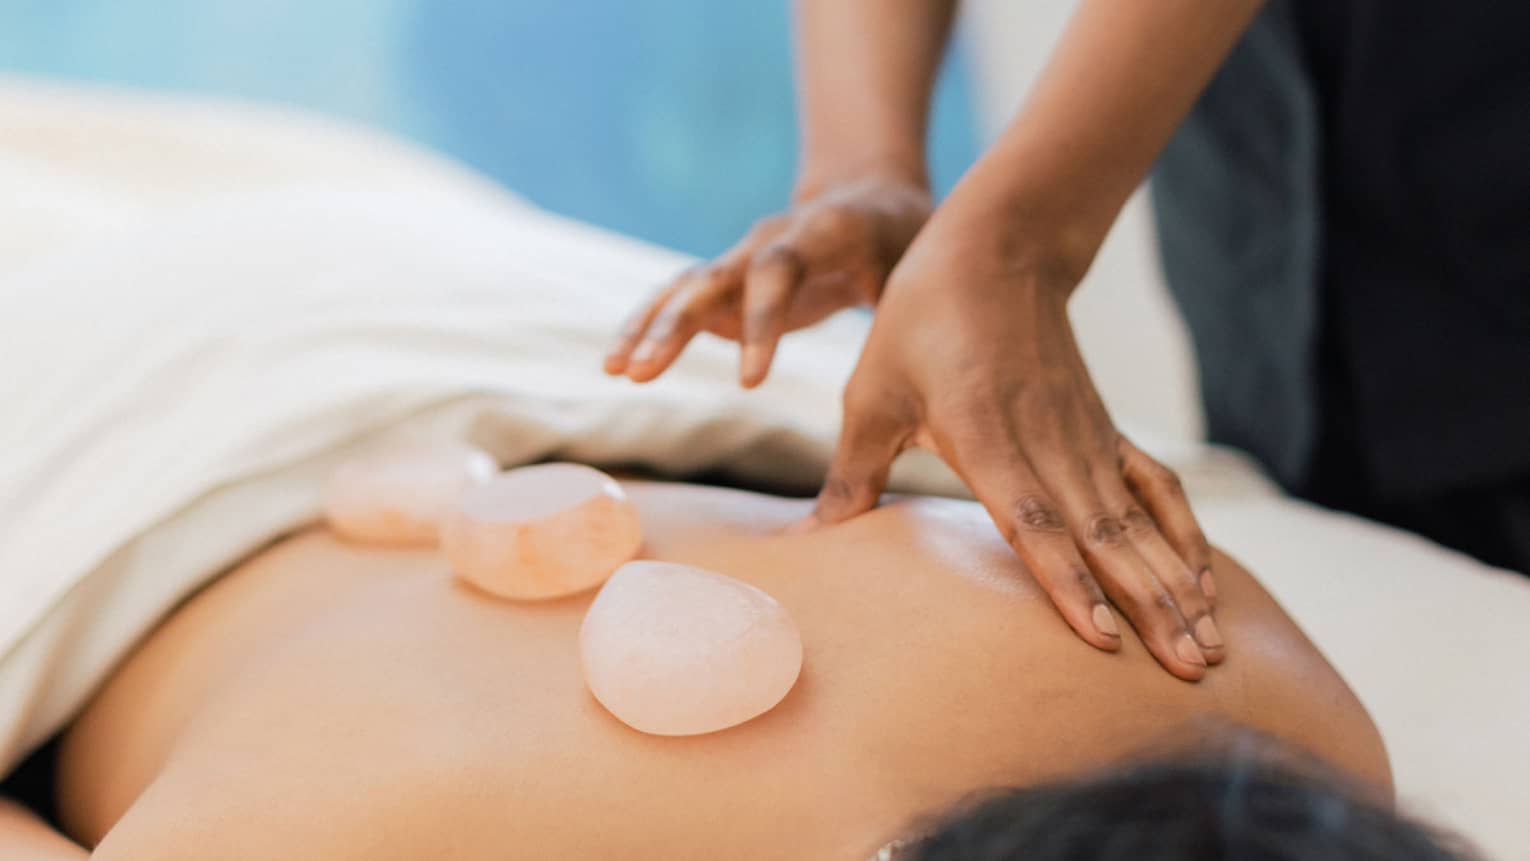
(325, 700)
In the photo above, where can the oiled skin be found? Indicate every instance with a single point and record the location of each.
(329, 701)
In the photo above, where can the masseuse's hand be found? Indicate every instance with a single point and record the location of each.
(832, 250)
(971, 354)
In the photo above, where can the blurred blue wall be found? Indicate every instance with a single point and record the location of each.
(667, 119)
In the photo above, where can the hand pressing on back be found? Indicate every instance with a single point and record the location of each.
(832, 250)
(972, 355)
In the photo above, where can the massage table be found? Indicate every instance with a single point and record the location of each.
(228, 237)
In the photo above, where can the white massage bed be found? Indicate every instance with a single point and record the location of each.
(132, 221)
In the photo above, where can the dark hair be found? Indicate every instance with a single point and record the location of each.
(1239, 810)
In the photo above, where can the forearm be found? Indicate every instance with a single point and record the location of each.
(1121, 80)
(25, 837)
(865, 73)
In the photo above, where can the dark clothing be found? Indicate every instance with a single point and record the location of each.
(1490, 521)
(1345, 221)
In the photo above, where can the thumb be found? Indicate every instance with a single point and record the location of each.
(858, 473)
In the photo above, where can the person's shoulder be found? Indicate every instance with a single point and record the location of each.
(1277, 681)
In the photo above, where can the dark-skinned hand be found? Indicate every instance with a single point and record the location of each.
(831, 251)
(972, 355)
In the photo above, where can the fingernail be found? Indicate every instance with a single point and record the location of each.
(1188, 651)
(644, 352)
(1105, 621)
(1208, 585)
(1206, 633)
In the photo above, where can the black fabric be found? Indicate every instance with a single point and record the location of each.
(1345, 221)
(1491, 521)
(1426, 249)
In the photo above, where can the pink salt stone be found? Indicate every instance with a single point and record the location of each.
(674, 650)
(399, 495)
(542, 532)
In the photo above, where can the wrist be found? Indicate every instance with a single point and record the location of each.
(821, 172)
(1029, 232)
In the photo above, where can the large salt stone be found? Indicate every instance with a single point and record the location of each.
(542, 532)
(674, 650)
(400, 494)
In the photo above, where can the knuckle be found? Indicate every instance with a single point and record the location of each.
(1034, 513)
(1105, 531)
(1162, 601)
(1181, 581)
(1153, 609)
(713, 276)
(1084, 582)
(832, 221)
(1158, 475)
(776, 255)
(1185, 586)
(1137, 522)
(1169, 480)
(837, 489)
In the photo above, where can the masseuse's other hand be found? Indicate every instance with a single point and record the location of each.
(972, 354)
(832, 250)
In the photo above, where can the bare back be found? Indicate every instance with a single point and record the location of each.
(330, 701)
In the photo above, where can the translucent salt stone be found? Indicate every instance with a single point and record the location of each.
(674, 650)
(542, 532)
(400, 494)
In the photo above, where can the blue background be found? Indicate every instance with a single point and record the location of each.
(667, 119)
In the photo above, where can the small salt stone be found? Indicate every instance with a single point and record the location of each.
(675, 650)
(542, 532)
(398, 495)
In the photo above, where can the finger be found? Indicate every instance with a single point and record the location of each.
(1150, 608)
(636, 325)
(1126, 577)
(678, 321)
(1168, 567)
(772, 278)
(869, 441)
(1032, 524)
(1159, 490)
